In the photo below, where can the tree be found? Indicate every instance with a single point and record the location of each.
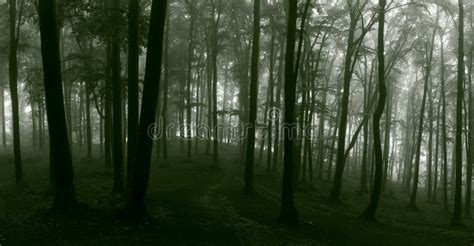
(60, 152)
(353, 43)
(133, 67)
(288, 212)
(253, 99)
(216, 12)
(427, 75)
(444, 134)
(456, 219)
(189, 76)
(471, 129)
(369, 212)
(164, 112)
(117, 104)
(13, 77)
(140, 171)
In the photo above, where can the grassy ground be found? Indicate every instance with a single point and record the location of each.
(193, 202)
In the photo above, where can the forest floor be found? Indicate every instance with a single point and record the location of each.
(193, 202)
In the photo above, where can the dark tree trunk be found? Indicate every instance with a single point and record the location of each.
(470, 159)
(133, 68)
(60, 153)
(189, 79)
(140, 170)
(271, 89)
(341, 141)
(429, 166)
(209, 95)
(288, 213)
(164, 112)
(249, 157)
(427, 75)
(2, 106)
(13, 77)
(215, 140)
(436, 154)
(108, 111)
(371, 209)
(278, 115)
(444, 133)
(117, 147)
(88, 120)
(456, 219)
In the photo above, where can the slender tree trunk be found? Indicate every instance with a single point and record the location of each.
(278, 111)
(427, 76)
(470, 159)
(341, 142)
(133, 68)
(60, 153)
(429, 166)
(444, 134)
(164, 112)
(117, 147)
(436, 155)
(2, 106)
(108, 111)
(13, 77)
(189, 79)
(387, 131)
(270, 112)
(88, 90)
(371, 209)
(80, 115)
(142, 158)
(249, 161)
(209, 95)
(456, 219)
(288, 213)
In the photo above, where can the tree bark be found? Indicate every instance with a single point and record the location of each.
(427, 76)
(249, 157)
(288, 213)
(118, 186)
(13, 77)
(142, 158)
(371, 209)
(133, 68)
(456, 219)
(60, 153)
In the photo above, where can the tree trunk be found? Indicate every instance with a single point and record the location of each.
(427, 76)
(429, 166)
(270, 112)
(2, 106)
(215, 43)
(278, 115)
(456, 219)
(249, 157)
(288, 213)
(189, 79)
(369, 212)
(13, 77)
(444, 134)
(164, 112)
(141, 160)
(118, 186)
(133, 68)
(60, 153)
(470, 159)
(341, 141)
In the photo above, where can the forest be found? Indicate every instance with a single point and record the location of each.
(236, 122)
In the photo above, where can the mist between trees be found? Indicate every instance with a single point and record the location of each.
(217, 122)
